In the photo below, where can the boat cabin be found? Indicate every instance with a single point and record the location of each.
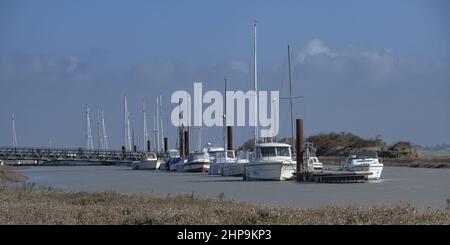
(266, 150)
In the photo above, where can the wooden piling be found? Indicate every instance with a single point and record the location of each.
(186, 143)
(230, 138)
(165, 144)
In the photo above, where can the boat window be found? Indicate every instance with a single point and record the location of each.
(199, 156)
(219, 154)
(173, 153)
(230, 154)
(268, 151)
(283, 151)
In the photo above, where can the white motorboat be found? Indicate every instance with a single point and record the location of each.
(217, 156)
(170, 156)
(150, 162)
(364, 162)
(222, 158)
(197, 162)
(312, 162)
(236, 168)
(272, 161)
(176, 164)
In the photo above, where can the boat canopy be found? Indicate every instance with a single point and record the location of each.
(198, 155)
(273, 150)
(173, 153)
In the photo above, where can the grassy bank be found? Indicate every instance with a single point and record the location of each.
(34, 206)
(30, 205)
(8, 174)
(421, 162)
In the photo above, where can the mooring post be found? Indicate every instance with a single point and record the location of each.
(230, 138)
(299, 148)
(186, 143)
(181, 139)
(148, 146)
(165, 144)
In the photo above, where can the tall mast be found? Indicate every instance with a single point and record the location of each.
(275, 126)
(225, 118)
(99, 131)
(180, 128)
(155, 133)
(144, 115)
(161, 124)
(14, 136)
(157, 124)
(127, 125)
(199, 142)
(105, 138)
(132, 134)
(255, 84)
(89, 143)
(290, 95)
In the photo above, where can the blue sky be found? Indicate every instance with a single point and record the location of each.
(368, 67)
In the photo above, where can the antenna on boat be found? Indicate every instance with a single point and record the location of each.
(14, 136)
(89, 143)
(105, 138)
(255, 83)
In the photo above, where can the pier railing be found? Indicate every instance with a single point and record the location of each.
(68, 154)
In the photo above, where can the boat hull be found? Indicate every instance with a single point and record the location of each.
(269, 171)
(146, 165)
(196, 167)
(216, 168)
(233, 169)
(162, 165)
(374, 169)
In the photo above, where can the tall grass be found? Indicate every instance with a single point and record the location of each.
(31, 205)
(8, 174)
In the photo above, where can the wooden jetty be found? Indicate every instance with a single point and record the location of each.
(328, 176)
(323, 176)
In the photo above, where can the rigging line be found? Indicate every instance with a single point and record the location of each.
(293, 97)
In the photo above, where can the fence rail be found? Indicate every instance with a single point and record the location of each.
(67, 154)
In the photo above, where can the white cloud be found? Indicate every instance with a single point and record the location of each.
(348, 63)
(28, 68)
(313, 48)
(239, 66)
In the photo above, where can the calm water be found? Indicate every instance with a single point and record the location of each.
(419, 186)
